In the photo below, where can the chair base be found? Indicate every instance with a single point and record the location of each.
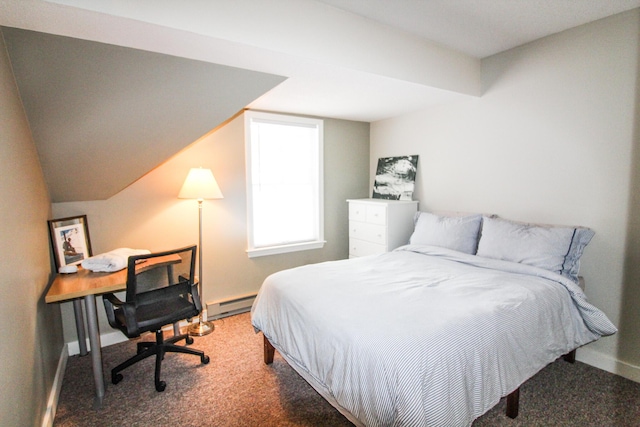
(158, 348)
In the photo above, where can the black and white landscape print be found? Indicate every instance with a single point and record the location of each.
(395, 178)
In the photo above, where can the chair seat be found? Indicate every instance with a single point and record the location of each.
(153, 316)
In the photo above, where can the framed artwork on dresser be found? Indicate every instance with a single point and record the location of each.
(395, 178)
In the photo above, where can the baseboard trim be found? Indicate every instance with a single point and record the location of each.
(54, 393)
(107, 339)
(608, 363)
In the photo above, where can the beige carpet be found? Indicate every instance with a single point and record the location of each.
(238, 389)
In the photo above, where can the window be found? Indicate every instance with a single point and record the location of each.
(284, 183)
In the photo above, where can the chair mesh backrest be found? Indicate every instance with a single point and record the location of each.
(159, 270)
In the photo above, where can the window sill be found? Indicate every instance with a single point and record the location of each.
(274, 250)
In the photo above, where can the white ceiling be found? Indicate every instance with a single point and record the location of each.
(363, 60)
(484, 27)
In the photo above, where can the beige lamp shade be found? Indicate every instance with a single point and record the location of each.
(200, 184)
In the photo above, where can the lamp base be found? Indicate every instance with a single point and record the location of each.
(200, 328)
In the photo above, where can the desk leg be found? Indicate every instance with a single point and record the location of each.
(82, 339)
(96, 351)
(176, 326)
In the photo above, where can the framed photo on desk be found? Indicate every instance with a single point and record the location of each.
(70, 240)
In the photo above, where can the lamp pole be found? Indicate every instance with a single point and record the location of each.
(200, 184)
(203, 327)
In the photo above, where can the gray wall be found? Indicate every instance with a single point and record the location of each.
(31, 330)
(148, 214)
(553, 139)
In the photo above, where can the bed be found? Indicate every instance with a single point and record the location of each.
(435, 332)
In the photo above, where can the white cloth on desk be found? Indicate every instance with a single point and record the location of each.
(111, 261)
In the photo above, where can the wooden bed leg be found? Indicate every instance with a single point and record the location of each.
(570, 357)
(513, 399)
(269, 351)
(513, 403)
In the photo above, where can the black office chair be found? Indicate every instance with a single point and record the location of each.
(160, 291)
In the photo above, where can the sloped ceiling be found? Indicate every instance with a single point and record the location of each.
(337, 64)
(364, 60)
(102, 115)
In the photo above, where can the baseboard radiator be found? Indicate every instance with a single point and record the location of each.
(230, 306)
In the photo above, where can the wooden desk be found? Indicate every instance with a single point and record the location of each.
(86, 284)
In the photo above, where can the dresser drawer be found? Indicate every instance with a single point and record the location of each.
(357, 212)
(367, 212)
(369, 232)
(359, 248)
(377, 214)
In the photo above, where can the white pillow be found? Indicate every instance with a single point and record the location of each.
(553, 248)
(457, 233)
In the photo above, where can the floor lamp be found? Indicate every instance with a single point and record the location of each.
(200, 184)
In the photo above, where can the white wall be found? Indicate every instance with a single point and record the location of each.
(551, 141)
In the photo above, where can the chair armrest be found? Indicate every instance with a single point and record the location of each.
(114, 300)
(110, 302)
(113, 304)
(196, 296)
(194, 292)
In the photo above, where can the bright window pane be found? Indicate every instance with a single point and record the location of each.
(284, 156)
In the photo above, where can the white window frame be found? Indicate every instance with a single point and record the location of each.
(316, 243)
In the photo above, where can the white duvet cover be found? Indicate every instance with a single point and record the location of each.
(422, 336)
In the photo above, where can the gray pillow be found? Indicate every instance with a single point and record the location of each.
(457, 233)
(553, 248)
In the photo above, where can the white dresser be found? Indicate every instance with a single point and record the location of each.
(378, 225)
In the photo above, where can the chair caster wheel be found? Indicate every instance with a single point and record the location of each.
(205, 359)
(161, 386)
(189, 340)
(115, 379)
